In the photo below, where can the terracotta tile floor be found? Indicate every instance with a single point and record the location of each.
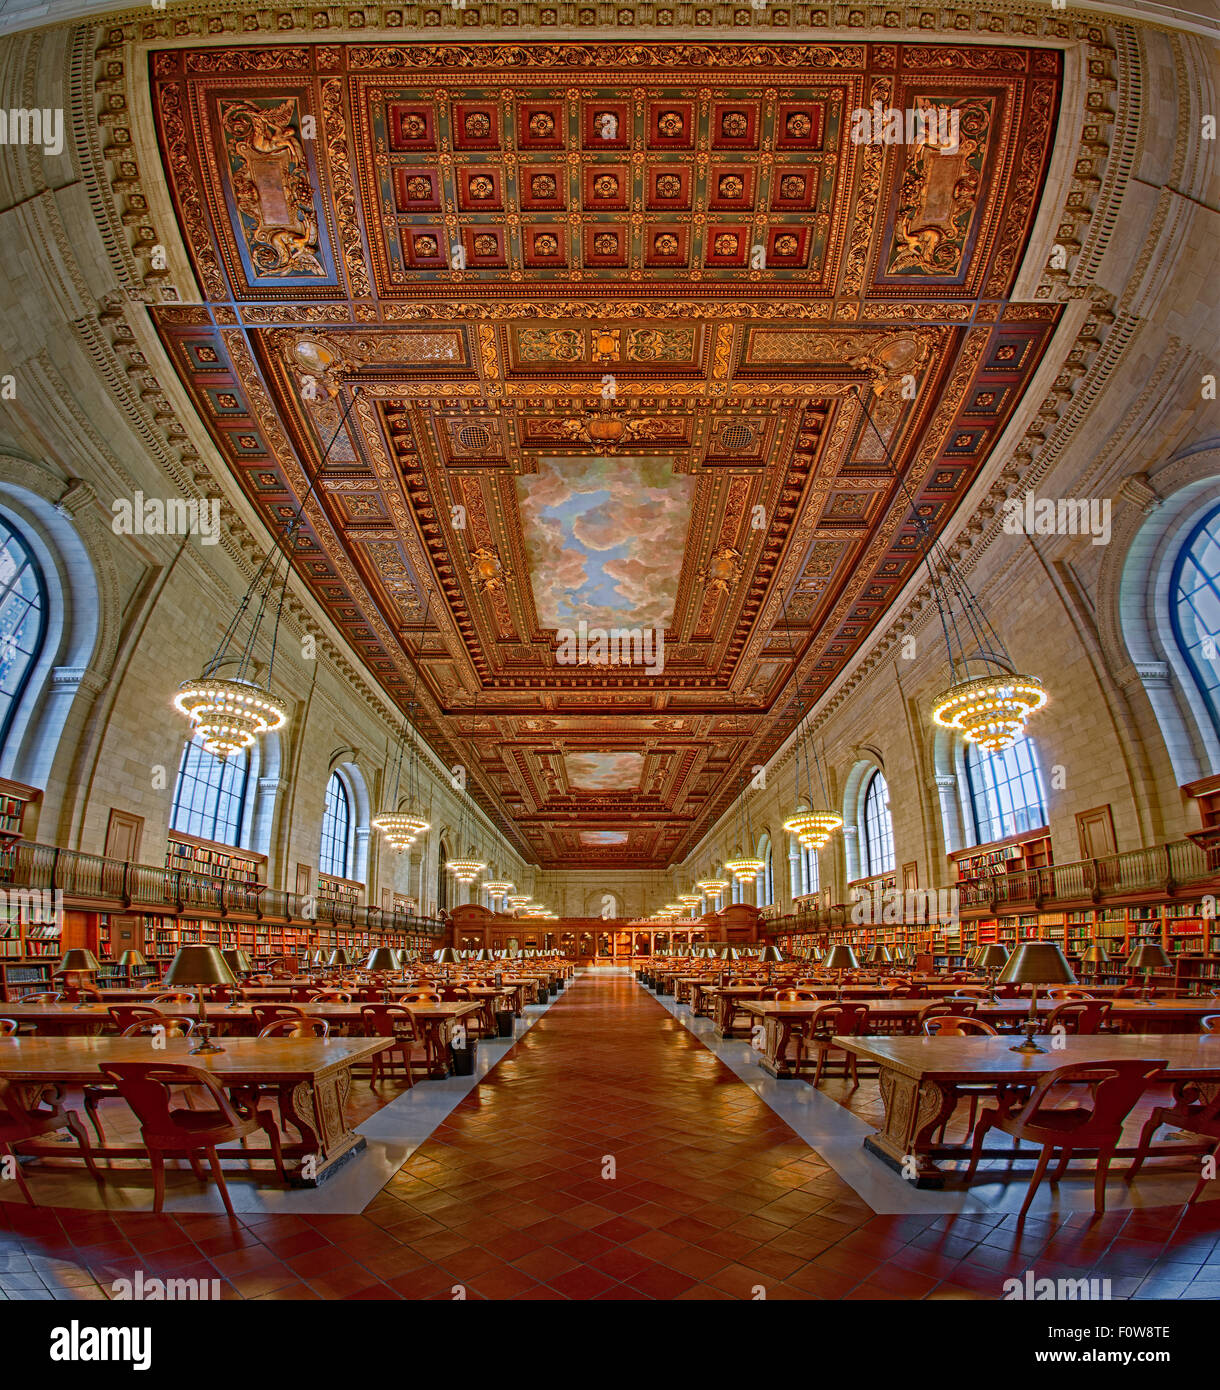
(610, 1156)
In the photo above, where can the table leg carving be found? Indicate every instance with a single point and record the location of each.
(914, 1110)
(317, 1111)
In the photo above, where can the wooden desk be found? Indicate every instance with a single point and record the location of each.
(312, 1078)
(435, 1021)
(919, 1077)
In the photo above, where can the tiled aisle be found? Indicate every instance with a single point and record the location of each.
(712, 1196)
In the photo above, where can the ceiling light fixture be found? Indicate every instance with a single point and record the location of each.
(987, 701)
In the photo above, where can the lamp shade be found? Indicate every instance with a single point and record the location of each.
(78, 959)
(1146, 956)
(840, 958)
(238, 961)
(199, 965)
(381, 958)
(340, 956)
(730, 953)
(993, 957)
(1095, 955)
(879, 955)
(1037, 963)
(447, 956)
(772, 953)
(130, 959)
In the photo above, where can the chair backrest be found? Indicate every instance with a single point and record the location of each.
(386, 1020)
(303, 1027)
(932, 1010)
(182, 996)
(964, 1003)
(8, 1026)
(45, 997)
(794, 996)
(848, 1020)
(330, 996)
(263, 1014)
(1067, 992)
(125, 1015)
(1210, 1024)
(957, 1026)
(175, 1025)
(422, 996)
(147, 1086)
(1115, 1087)
(1084, 1016)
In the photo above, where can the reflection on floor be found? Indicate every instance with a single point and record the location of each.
(610, 1155)
(835, 1121)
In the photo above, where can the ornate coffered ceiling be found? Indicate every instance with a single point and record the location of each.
(582, 331)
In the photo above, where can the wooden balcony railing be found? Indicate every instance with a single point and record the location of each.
(1161, 869)
(91, 881)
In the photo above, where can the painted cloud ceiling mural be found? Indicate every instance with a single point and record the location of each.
(605, 538)
(604, 772)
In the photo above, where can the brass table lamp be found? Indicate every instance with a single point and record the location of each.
(839, 959)
(771, 954)
(78, 961)
(1148, 956)
(991, 959)
(200, 966)
(1035, 963)
(382, 961)
(1096, 955)
(131, 960)
(240, 964)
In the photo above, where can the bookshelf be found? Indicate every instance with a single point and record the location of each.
(1017, 854)
(209, 859)
(339, 890)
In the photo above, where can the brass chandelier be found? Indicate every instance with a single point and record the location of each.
(988, 701)
(230, 713)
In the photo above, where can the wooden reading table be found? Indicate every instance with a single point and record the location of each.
(311, 1076)
(919, 1077)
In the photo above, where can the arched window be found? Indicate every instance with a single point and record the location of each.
(336, 853)
(1005, 791)
(809, 870)
(1194, 608)
(210, 795)
(878, 828)
(767, 880)
(23, 621)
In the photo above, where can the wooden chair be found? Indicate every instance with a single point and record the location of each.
(302, 1027)
(1060, 992)
(936, 1009)
(181, 996)
(175, 1025)
(125, 1015)
(421, 996)
(8, 1027)
(148, 1087)
(1083, 1016)
(42, 1113)
(1191, 1112)
(263, 1014)
(389, 1021)
(1114, 1088)
(963, 1026)
(844, 1020)
(330, 996)
(1210, 1024)
(45, 997)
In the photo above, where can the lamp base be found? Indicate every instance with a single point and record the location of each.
(1027, 1046)
(207, 1045)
